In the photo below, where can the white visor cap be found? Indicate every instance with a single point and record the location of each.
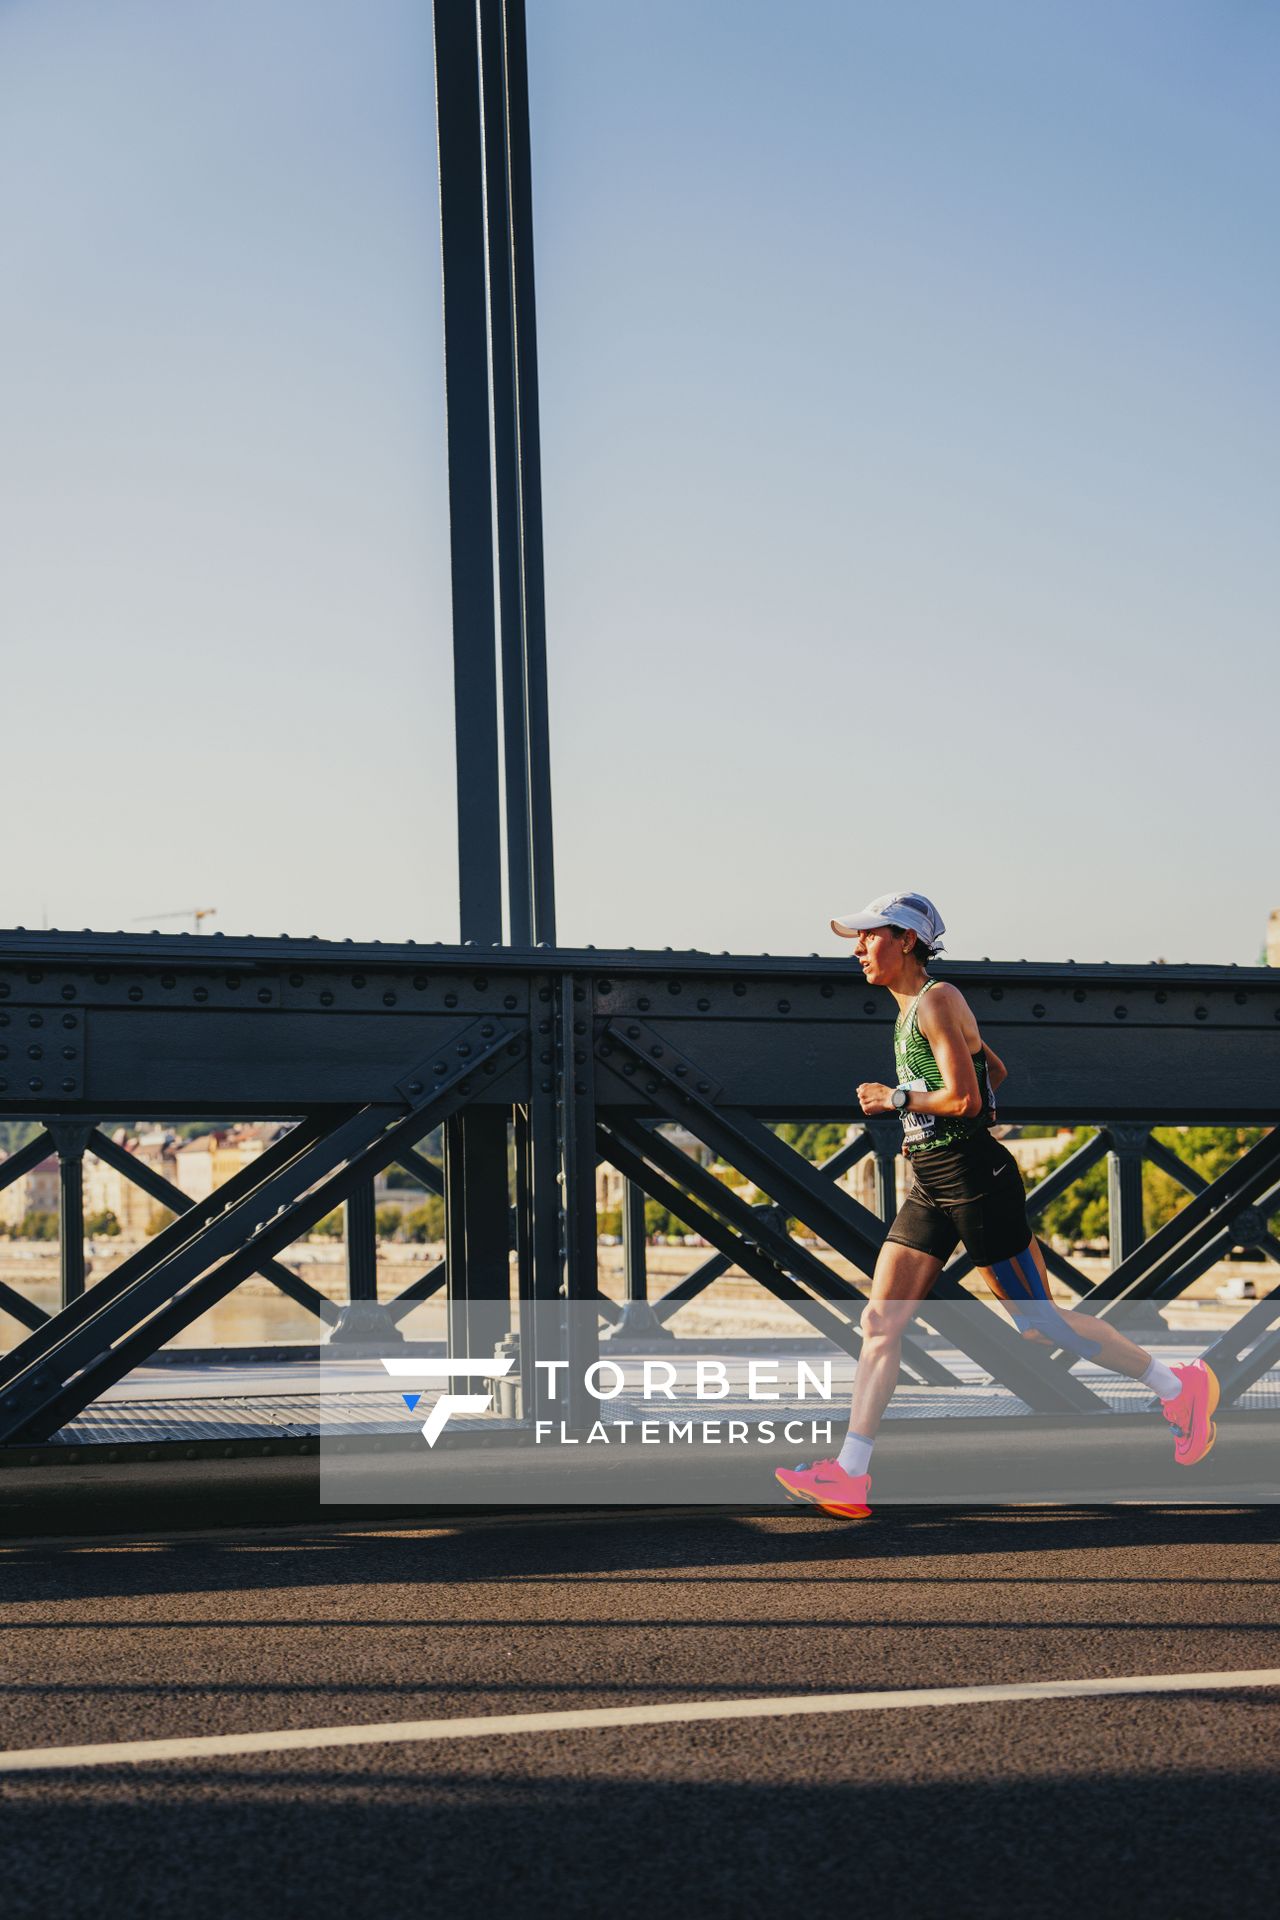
(910, 910)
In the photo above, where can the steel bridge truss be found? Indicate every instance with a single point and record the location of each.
(546, 1063)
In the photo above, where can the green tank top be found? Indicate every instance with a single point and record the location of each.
(916, 1068)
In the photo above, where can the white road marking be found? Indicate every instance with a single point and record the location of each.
(673, 1713)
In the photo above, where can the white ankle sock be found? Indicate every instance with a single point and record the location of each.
(855, 1455)
(1162, 1380)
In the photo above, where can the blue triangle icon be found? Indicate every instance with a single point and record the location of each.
(411, 1400)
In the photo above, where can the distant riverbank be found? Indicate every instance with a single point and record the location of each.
(258, 1314)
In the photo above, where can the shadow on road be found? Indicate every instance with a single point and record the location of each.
(320, 1841)
(908, 1544)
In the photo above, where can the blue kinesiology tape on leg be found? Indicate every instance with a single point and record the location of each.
(1027, 1298)
(1042, 1317)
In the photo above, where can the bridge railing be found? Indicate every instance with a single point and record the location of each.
(536, 1064)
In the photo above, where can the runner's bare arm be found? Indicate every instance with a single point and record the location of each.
(943, 1017)
(997, 1072)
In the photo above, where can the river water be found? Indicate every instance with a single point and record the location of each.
(257, 1314)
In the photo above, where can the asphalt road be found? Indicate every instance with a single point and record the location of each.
(1161, 1804)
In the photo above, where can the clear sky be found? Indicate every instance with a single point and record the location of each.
(910, 427)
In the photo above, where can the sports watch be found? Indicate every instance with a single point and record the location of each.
(899, 1098)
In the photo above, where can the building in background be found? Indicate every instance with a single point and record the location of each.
(211, 1159)
(35, 1192)
(194, 1166)
(1273, 938)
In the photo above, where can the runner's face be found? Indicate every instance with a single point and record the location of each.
(878, 952)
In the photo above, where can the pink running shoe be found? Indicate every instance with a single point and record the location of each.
(1191, 1414)
(828, 1486)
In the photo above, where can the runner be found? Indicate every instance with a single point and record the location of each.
(965, 1187)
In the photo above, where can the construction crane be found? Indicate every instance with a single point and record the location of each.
(194, 914)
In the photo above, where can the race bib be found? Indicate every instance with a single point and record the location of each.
(917, 1126)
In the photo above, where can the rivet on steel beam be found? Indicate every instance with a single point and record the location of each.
(681, 1072)
(388, 999)
(643, 1005)
(1038, 1011)
(439, 1067)
(628, 1067)
(326, 999)
(633, 1033)
(68, 1020)
(656, 1051)
(784, 1006)
(704, 1086)
(604, 986)
(1122, 1013)
(415, 1086)
(605, 1050)
(1202, 1013)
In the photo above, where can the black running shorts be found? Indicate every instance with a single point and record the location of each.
(971, 1192)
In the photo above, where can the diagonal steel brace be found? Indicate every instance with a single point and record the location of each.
(265, 1221)
(153, 1183)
